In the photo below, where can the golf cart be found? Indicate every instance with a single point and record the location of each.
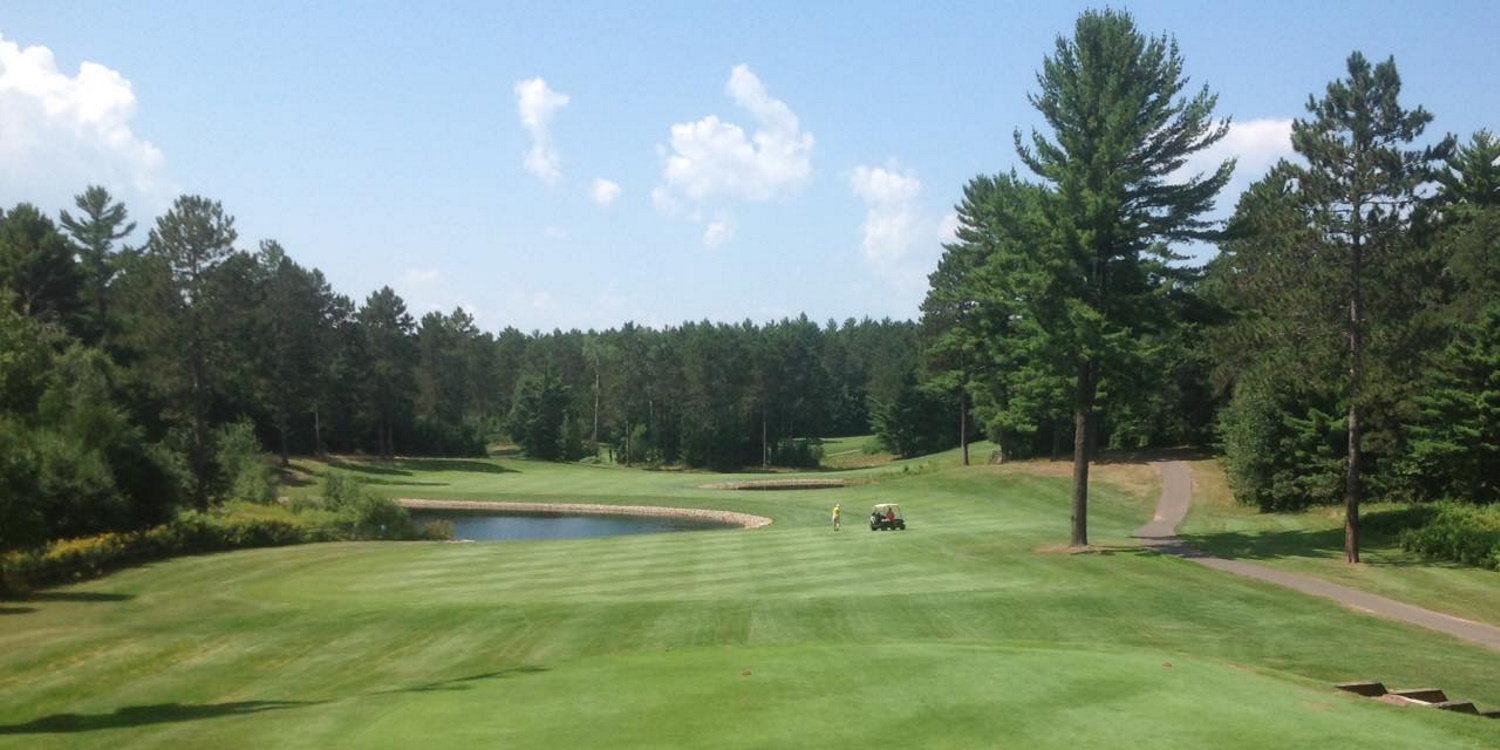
(887, 516)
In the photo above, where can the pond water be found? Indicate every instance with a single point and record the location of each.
(488, 526)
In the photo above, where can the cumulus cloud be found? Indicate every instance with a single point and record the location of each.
(712, 158)
(901, 239)
(947, 231)
(892, 224)
(718, 233)
(604, 192)
(61, 132)
(537, 103)
(1257, 144)
(713, 161)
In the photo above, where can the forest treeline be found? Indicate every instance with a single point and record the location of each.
(133, 377)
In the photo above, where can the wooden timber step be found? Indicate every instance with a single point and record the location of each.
(1367, 689)
(1463, 707)
(1426, 695)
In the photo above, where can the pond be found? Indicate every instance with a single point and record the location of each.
(489, 526)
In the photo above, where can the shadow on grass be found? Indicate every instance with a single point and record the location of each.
(15, 610)
(1147, 456)
(168, 713)
(470, 465)
(1380, 534)
(135, 716)
(404, 467)
(462, 683)
(76, 596)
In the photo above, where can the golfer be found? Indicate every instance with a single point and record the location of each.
(837, 512)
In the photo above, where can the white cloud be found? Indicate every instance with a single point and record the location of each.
(1257, 144)
(947, 231)
(892, 226)
(718, 233)
(60, 132)
(711, 161)
(537, 103)
(901, 240)
(604, 192)
(711, 158)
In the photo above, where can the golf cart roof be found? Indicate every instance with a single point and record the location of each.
(883, 507)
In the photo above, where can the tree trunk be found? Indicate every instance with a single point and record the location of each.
(1352, 485)
(283, 429)
(765, 446)
(317, 431)
(596, 410)
(1083, 433)
(963, 422)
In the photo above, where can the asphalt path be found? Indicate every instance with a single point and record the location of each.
(1172, 508)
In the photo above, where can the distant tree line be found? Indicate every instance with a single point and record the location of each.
(126, 372)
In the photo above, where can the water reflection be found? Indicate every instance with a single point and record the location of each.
(494, 527)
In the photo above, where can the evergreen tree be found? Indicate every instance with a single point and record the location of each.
(388, 336)
(101, 223)
(37, 265)
(1120, 131)
(1360, 187)
(189, 243)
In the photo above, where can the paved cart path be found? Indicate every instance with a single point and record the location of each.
(1161, 533)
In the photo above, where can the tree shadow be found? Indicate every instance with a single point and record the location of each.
(1150, 455)
(363, 468)
(1267, 545)
(1380, 541)
(135, 716)
(15, 610)
(470, 465)
(462, 683)
(77, 596)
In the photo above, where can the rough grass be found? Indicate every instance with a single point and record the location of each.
(957, 633)
(1312, 542)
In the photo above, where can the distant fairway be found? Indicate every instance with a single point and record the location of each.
(969, 630)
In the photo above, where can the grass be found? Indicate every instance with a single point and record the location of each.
(1313, 543)
(970, 629)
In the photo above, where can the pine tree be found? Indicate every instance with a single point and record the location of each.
(1360, 187)
(1120, 131)
(101, 223)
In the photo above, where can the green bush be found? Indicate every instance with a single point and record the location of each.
(362, 513)
(68, 560)
(1459, 533)
(247, 475)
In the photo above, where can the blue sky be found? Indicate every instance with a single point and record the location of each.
(759, 159)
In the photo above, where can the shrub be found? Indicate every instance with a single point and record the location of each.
(246, 472)
(1459, 533)
(88, 557)
(806, 453)
(362, 513)
(438, 531)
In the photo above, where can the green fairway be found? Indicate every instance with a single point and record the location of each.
(971, 629)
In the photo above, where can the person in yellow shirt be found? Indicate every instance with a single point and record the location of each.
(837, 512)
